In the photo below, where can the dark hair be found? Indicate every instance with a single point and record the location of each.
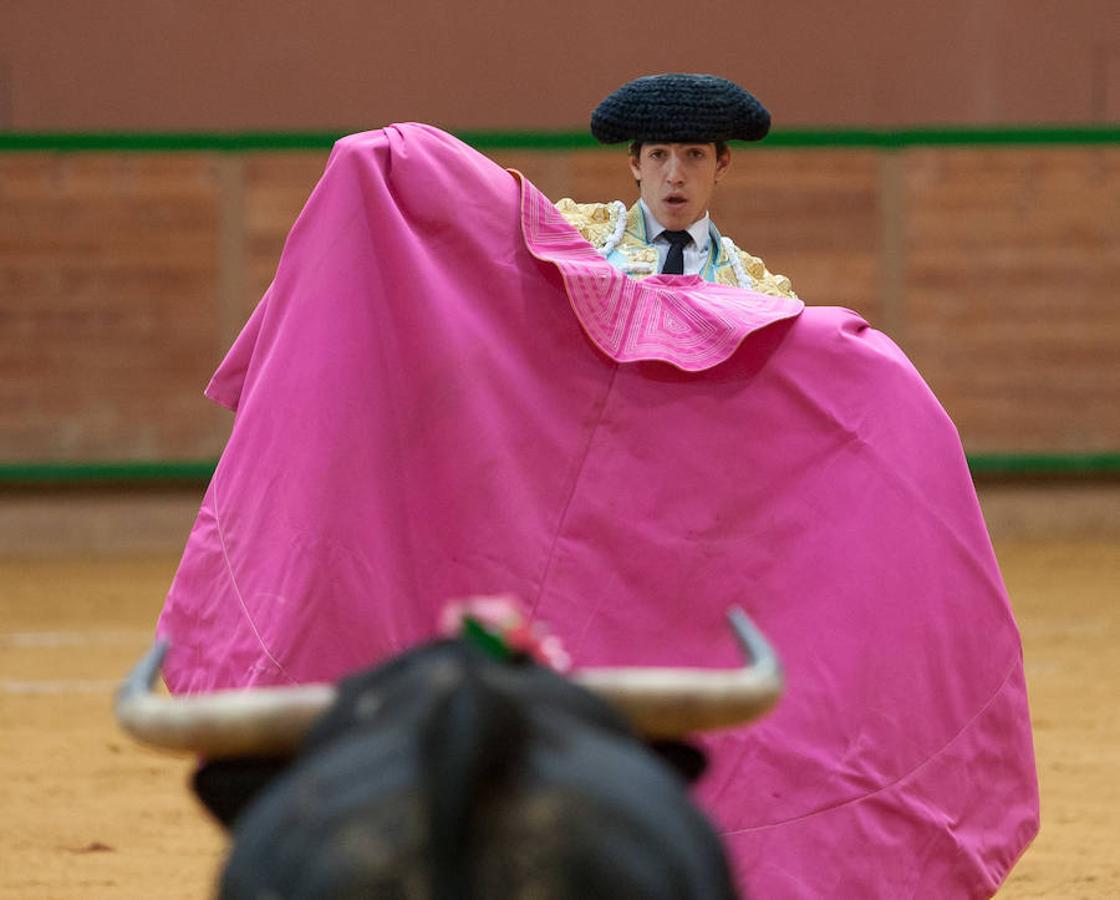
(635, 148)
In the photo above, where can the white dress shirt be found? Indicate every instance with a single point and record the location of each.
(695, 252)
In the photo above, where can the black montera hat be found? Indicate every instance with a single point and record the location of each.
(678, 108)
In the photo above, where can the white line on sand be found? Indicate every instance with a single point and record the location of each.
(68, 686)
(74, 638)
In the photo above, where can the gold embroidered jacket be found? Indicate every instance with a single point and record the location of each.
(620, 235)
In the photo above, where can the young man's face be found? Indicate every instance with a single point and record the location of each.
(677, 180)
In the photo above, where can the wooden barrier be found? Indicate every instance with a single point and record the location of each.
(124, 276)
(1012, 265)
(108, 305)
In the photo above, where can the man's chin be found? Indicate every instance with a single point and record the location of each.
(675, 218)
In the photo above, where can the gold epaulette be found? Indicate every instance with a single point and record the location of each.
(595, 221)
(762, 279)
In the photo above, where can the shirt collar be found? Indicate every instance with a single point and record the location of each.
(698, 229)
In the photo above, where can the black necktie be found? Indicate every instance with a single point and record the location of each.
(674, 259)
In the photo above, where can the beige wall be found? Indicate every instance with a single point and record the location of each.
(297, 64)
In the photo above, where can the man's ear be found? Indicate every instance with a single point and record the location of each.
(636, 169)
(723, 163)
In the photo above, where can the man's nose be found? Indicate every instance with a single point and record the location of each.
(674, 171)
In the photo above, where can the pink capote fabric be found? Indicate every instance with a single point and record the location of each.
(427, 411)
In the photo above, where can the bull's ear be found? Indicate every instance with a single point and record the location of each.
(227, 786)
(685, 759)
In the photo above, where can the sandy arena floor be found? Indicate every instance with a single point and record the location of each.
(86, 814)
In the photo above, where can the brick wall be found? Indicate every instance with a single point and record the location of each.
(124, 277)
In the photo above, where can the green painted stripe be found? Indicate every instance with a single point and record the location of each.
(240, 142)
(167, 142)
(1044, 464)
(189, 471)
(943, 137)
(194, 471)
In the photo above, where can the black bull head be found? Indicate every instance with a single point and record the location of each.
(444, 773)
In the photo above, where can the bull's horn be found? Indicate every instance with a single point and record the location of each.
(272, 721)
(265, 722)
(664, 703)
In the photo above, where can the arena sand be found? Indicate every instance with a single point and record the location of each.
(85, 813)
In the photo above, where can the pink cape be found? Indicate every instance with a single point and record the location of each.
(420, 416)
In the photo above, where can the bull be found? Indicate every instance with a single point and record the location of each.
(447, 774)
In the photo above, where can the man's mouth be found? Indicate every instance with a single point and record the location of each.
(676, 200)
